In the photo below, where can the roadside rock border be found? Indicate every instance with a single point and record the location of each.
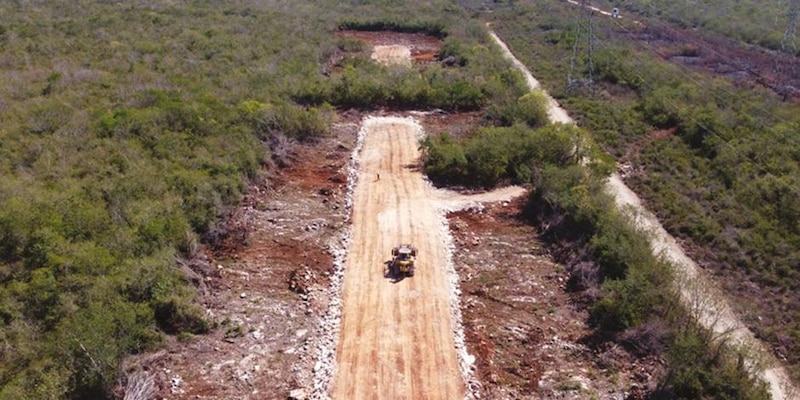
(328, 330)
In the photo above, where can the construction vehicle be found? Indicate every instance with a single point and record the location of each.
(403, 261)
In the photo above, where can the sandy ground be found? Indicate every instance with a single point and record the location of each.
(423, 48)
(699, 293)
(398, 339)
(392, 55)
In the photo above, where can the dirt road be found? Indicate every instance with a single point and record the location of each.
(396, 338)
(699, 294)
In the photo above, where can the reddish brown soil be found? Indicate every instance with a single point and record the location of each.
(527, 332)
(423, 48)
(456, 124)
(396, 339)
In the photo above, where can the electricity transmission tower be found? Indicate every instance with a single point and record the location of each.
(585, 64)
(791, 27)
(788, 45)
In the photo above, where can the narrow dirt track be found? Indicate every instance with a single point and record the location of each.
(698, 292)
(396, 339)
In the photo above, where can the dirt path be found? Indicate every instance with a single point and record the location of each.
(698, 292)
(399, 339)
(396, 338)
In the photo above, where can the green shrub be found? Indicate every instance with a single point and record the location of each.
(490, 155)
(530, 109)
(350, 44)
(175, 314)
(702, 369)
(623, 304)
(444, 159)
(301, 123)
(618, 247)
(454, 48)
(432, 28)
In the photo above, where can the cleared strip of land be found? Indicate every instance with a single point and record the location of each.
(396, 339)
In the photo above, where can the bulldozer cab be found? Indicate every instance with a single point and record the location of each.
(403, 253)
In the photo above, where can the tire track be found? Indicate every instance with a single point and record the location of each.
(383, 322)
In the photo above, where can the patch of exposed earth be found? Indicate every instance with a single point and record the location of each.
(266, 286)
(422, 48)
(529, 335)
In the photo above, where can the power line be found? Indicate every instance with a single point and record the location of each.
(725, 141)
(761, 79)
(590, 47)
(789, 34)
(584, 22)
(574, 58)
(782, 89)
(749, 104)
(789, 37)
(743, 155)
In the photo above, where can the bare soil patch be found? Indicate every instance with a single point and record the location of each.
(456, 124)
(423, 48)
(392, 55)
(397, 335)
(529, 335)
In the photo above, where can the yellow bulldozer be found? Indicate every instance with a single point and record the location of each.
(403, 261)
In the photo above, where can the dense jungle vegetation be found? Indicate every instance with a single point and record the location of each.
(128, 128)
(718, 163)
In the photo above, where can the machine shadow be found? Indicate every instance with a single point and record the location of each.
(393, 275)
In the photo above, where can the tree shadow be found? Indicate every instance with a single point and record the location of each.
(416, 167)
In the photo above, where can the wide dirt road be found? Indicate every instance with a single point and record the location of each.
(396, 338)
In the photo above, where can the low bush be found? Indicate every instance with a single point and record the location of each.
(491, 155)
(701, 368)
(429, 27)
